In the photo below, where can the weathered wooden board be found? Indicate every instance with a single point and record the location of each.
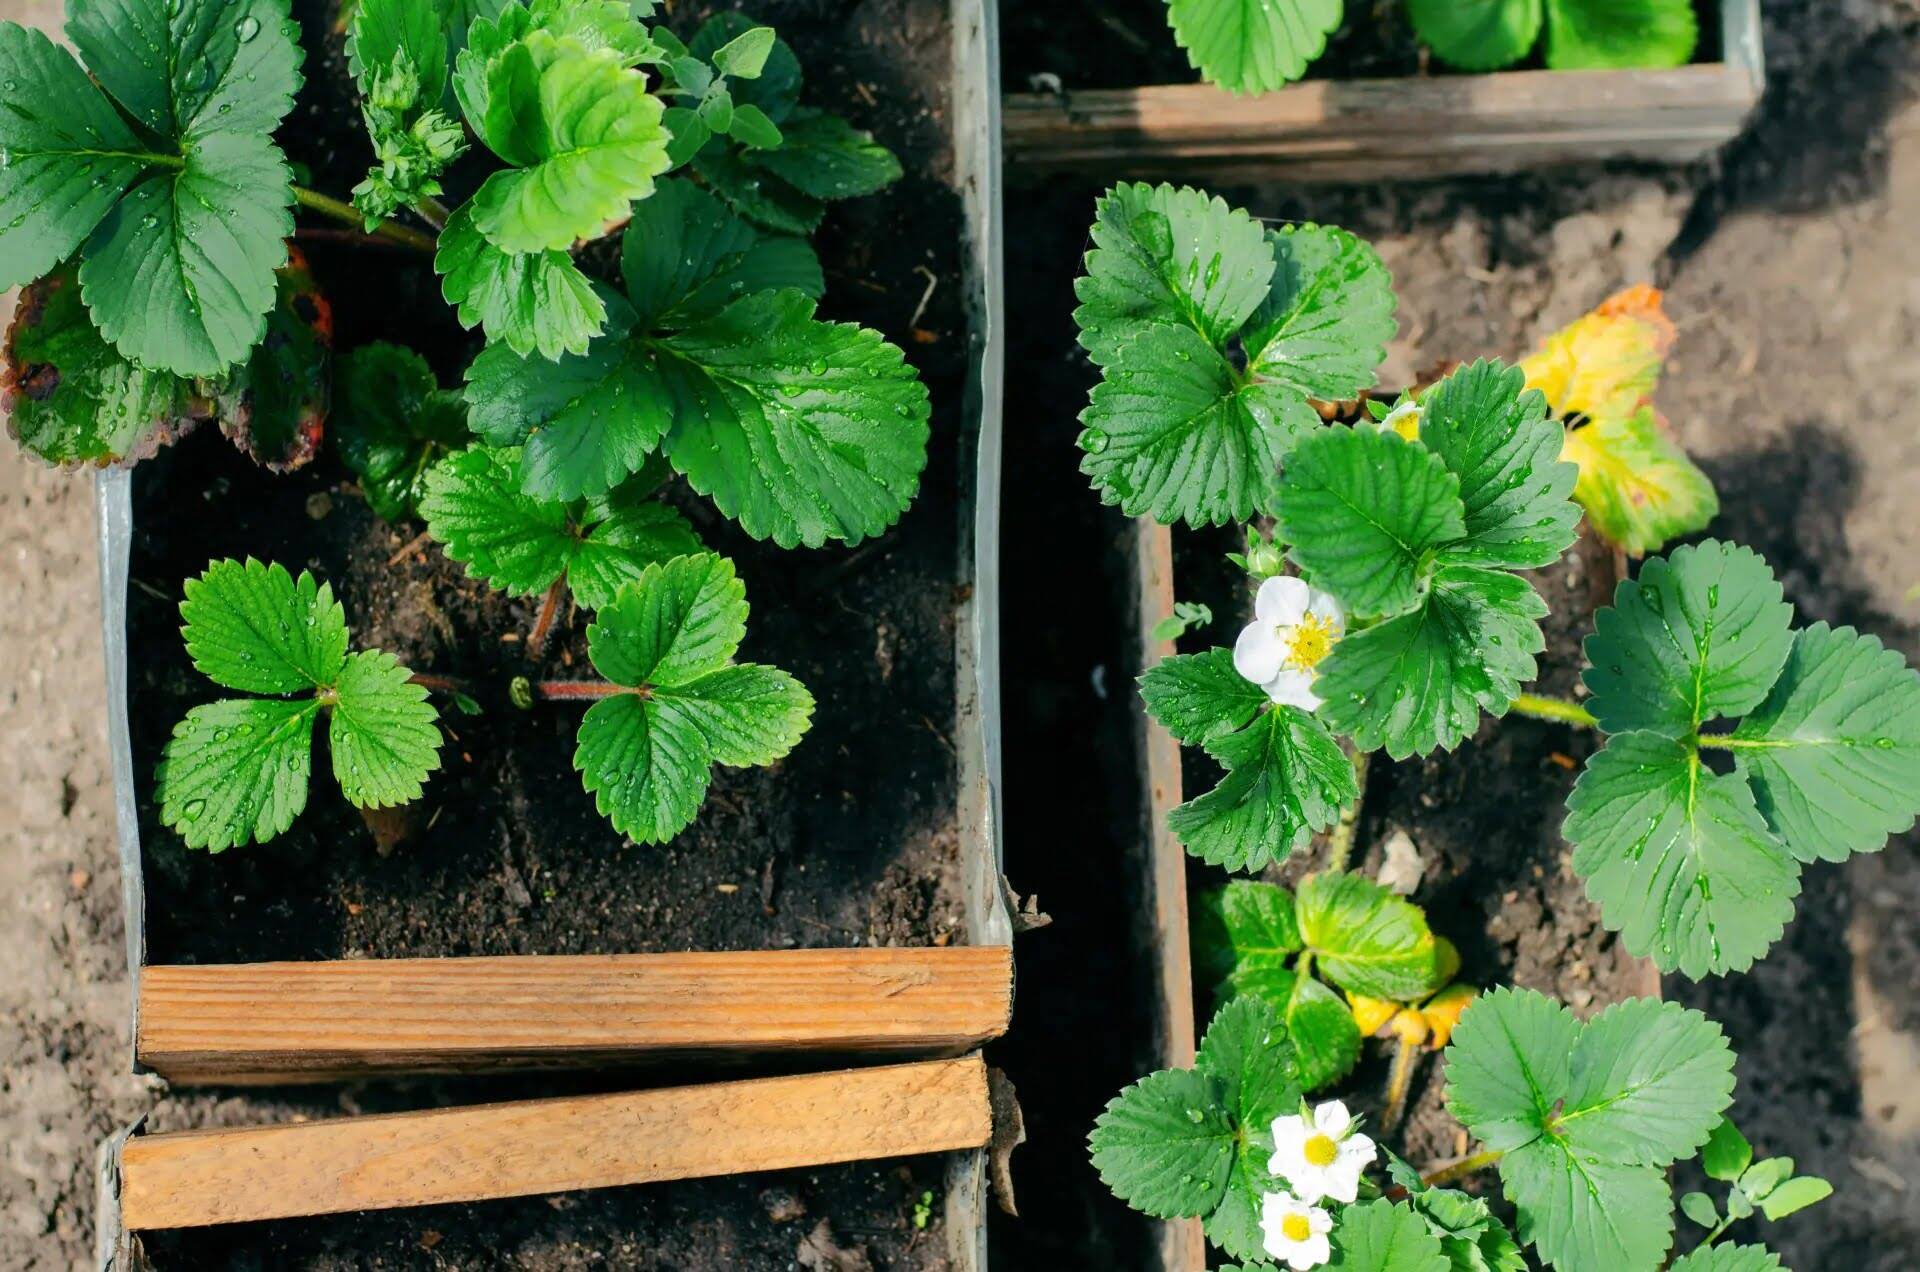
(190, 1179)
(281, 1022)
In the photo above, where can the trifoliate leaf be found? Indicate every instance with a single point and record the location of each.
(381, 732)
(1198, 695)
(1325, 322)
(776, 88)
(1166, 256)
(1510, 1063)
(1365, 939)
(520, 544)
(392, 421)
(1794, 1195)
(800, 430)
(526, 301)
(583, 135)
(1678, 857)
(1253, 46)
(1476, 35)
(1325, 1036)
(1419, 681)
(1286, 778)
(1172, 432)
(1381, 1236)
(1638, 487)
(685, 257)
(1698, 635)
(1598, 34)
(254, 627)
(1494, 434)
(648, 756)
(1833, 754)
(1649, 1082)
(1727, 1153)
(72, 398)
(584, 423)
(236, 771)
(1582, 1214)
(1246, 1050)
(1366, 512)
(1166, 1145)
(1729, 1258)
(825, 157)
(273, 406)
(754, 192)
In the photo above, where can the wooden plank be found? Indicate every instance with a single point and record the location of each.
(1182, 1244)
(264, 1022)
(190, 1179)
(1369, 129)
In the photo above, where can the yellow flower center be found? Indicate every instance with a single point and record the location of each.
(1319, 1150)
(1311, 641)
(1296, 1228)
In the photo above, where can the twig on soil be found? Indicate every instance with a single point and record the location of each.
(407, 549)
(933, 281)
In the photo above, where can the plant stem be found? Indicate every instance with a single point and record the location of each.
(543, 623)
(1718, 1228)
(1340, 841)
(439, 684)
(433, 212)
(326, 205)
(1398, 1081)
(1542, 707)
(563, 690)
(1726, 742)
(1461, 1169)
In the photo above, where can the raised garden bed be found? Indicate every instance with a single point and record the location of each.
(1348, 122)
(848, 901)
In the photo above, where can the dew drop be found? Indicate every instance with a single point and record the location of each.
(246, 29)
(193, 809)
(1093, 441)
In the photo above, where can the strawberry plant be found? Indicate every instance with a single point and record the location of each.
(1391, 611)
(1580, 34)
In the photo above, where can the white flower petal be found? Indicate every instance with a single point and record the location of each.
(1320, 1221)
(1293, 688)
(1311, 1183)
(1341, 1183)
(1258, 653)
(1311, 1253)
(1355, 1149)
(1282, 600)
(1331, 1118)
(1325, 607)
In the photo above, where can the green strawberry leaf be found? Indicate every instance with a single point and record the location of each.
(583, 136)
(526, 301)
(1599, 34)
(1638, 487)
(1699, 1207)
(1166, 256)
(1196, 696)
(685, 257)
(381, 731)
(1419, 682)
(1381, 1236)
(1494, 434)
(1366, 512)
(745, 55)
(1365, 939)
(647, 756)
(254, 627)
(235, 771)
(1679, 858)
(1246, 1050)
(1253, 46)
(72, 398)
(1833, 754)
(1583, 1214)
(775, 89)
(753, 191)
(520, 544)
(1325, 322)
(1699, 635)
(1286, 778)
(1727, 1153)
(1166, 1145)
(1509, 1064)
(1326, 1037)
(1729, 1258)
(1476, 35)
(1648, 1084)
(383, 30)
(1794, 1195)
(392, 421)
(824, 157)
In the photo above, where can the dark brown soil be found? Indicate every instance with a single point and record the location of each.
(850, 841)
(1127, 43)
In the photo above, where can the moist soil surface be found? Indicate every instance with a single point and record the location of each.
(1129, 43)
(851, 840)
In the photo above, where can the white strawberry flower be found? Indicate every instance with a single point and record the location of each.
(1320, 1153)
(1295, 1232)
(1294, 626)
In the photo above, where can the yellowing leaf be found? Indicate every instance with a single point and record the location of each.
(1442, 1012)
(1371, 1014)
(1409, 1027)
(1638, 487)
(1606, 363)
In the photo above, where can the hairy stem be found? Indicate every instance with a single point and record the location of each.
(1340, 841)
(1455, 1171)
(433, 212)
(1398, 1081)
(1542, 707)
(576, 690)
(393, 232)
(440, 684)
(543, 623)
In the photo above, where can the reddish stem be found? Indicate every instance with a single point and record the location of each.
(440, 684)
(559, 690)
(543, 625)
